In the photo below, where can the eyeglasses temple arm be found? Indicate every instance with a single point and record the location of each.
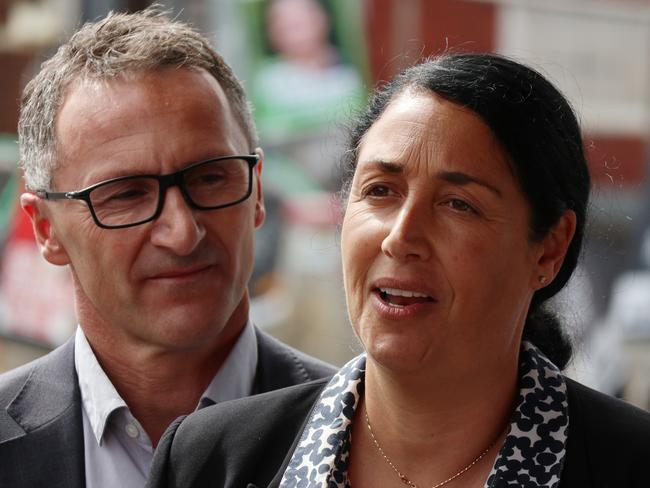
(55, 195)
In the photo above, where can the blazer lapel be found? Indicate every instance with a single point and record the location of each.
(47, 448)
(278, 367)
(275, 482)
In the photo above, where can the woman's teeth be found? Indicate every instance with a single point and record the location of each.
(402, 293)
(402, 298)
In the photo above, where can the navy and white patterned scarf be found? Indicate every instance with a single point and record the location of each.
(531, 456)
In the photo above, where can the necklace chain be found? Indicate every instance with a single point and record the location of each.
(403, 478)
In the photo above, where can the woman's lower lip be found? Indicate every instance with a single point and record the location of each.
(399, 312)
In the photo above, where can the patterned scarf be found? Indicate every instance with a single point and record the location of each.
(532, 454)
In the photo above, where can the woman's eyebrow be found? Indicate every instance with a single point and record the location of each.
(460, 178)
(455, 177)
(387, 166)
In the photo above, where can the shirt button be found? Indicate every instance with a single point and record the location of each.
(132, 431)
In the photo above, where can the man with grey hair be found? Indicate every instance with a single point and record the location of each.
(142, 170)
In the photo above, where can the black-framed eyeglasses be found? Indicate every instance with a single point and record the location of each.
(133, 200)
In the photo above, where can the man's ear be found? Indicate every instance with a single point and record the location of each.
(553, 249)
(50, 247)
(260, 210)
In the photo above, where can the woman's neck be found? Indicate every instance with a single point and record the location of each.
(431, 425)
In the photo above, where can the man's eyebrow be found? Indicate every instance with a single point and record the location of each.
(460, 178)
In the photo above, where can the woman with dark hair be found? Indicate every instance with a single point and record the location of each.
(465, 209)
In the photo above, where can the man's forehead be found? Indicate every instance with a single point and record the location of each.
(143, 83)
(98, 112)
(99, 100)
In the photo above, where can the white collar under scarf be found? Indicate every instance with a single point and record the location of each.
(532, 454)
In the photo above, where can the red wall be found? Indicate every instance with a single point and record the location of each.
(471, 26)
(13, 66)
(439, 25)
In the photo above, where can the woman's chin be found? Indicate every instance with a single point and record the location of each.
(398, 354)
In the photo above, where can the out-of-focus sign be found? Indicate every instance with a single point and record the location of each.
(597, 52)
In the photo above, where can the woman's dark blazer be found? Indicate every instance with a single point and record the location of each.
(247, 443)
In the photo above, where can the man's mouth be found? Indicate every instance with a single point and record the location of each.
(398, 298)
(179, 273)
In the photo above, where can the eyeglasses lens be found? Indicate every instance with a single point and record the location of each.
(209, 185)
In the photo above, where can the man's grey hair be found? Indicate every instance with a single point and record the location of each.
(118, 45)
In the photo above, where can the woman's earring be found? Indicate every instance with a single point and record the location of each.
(542, 280)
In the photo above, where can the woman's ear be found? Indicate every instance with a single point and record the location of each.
(50, 247)
(553, 249)
(260, 209)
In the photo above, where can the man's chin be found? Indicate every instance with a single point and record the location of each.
(177, 338)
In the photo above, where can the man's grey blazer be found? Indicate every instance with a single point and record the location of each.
(41, 431)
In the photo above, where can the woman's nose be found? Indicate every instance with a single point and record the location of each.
(177, 227)
(407, 234)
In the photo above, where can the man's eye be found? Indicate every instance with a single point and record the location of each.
(209, 179)
(129, 194)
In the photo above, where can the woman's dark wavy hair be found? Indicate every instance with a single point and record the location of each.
(540, 133)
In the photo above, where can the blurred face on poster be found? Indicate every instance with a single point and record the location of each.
(297, 29)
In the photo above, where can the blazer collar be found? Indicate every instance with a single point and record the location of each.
(276, 367)
(50, 389)
(49, 451)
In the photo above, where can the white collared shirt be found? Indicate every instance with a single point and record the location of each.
(118, 452)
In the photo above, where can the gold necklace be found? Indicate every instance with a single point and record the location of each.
(403, 477)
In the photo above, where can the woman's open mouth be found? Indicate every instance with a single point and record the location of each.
(395, 297)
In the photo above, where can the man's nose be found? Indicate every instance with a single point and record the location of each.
(407, 233)
(176, 228)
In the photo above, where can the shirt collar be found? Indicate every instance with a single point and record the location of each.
(100, 399)
(98, 395)
(533, 451)
(236, 376)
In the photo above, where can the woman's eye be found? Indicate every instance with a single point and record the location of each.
(460, 205)
(376, 191)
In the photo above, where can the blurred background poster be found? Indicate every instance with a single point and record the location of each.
(308, 76)
(308, 66)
